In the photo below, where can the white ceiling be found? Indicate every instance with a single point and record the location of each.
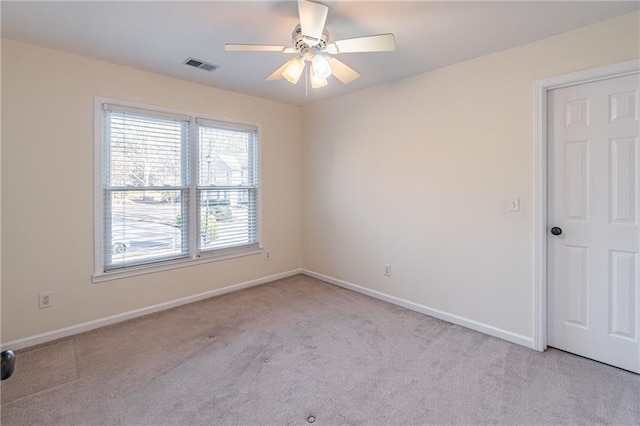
(159, 35)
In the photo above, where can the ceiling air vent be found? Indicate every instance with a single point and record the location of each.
(200, 64)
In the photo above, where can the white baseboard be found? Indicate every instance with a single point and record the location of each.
(454, 319)
(102, 322)
(91, 325)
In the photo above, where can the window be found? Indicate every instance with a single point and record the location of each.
(173, 189)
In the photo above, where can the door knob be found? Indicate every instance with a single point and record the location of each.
(556, 231)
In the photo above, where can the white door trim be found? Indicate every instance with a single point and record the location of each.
(540, 89)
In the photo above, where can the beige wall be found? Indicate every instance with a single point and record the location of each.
(417, 173)
(47, 188)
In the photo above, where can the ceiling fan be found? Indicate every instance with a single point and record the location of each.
(311, 44)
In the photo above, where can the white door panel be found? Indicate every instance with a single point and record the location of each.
(594, 299)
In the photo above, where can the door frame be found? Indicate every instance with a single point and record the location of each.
(540, 144)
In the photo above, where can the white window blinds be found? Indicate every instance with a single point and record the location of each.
(227, 186)
(145, 188)
(175, 186)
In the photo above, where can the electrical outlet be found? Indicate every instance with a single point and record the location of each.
(387, 269)
(267, 255)
(46, 299)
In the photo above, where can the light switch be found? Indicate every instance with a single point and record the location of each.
(514, 203)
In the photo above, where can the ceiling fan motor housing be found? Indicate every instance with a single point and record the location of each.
(300, 43)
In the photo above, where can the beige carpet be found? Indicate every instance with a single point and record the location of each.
(298, 347)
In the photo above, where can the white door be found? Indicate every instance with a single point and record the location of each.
(593, 190)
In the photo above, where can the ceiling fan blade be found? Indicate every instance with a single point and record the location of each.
(229, 47)
(331, 48)
(342, 72)
(312, 18)
(374, 43)
(277, 74)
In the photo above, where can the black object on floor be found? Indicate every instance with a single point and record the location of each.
(8, 364)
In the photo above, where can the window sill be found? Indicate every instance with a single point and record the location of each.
(166, 266)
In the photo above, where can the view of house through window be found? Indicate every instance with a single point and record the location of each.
(226, 182)
(175, 187)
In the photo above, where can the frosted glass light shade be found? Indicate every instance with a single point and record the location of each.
(321, 66)
(294, 70)
(316, 81)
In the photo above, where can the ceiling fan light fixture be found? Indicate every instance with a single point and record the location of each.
(293, 71)
(321, 67)
(311, 44)
(317, 81)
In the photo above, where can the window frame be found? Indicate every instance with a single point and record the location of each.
(194, 257)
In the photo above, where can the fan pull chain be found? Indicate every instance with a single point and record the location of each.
(306, 79)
